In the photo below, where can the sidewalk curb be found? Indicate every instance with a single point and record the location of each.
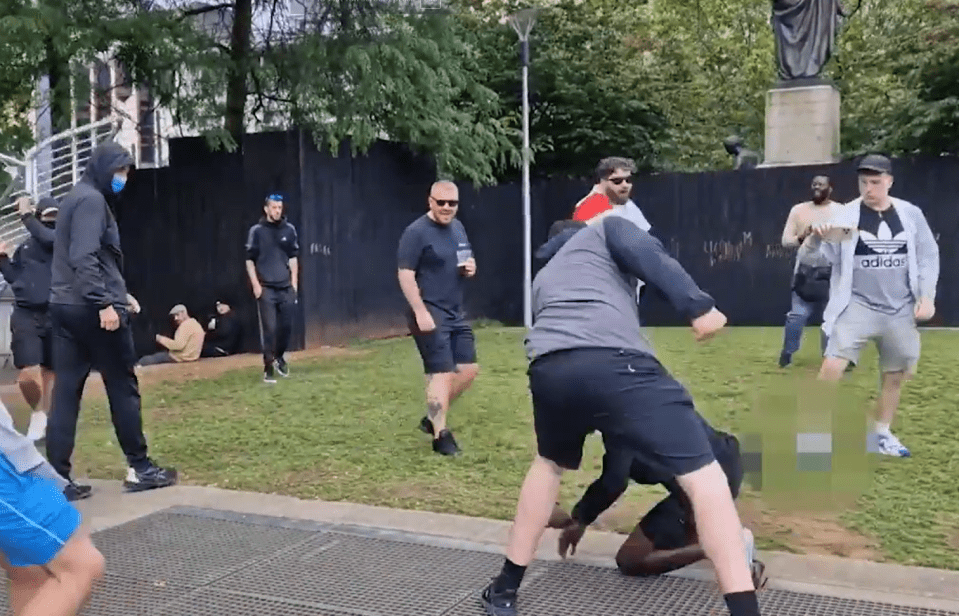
(917, 587)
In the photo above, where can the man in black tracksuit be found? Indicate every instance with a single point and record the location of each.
(89, 306)
(272, 251)
(28, 272)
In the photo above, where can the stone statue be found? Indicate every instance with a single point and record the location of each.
(745, 158)
(805, 32)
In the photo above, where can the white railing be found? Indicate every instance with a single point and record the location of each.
(48, 169)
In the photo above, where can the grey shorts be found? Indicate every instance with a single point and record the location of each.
(896, 336)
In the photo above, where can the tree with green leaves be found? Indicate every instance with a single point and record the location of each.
(586, 101)
(354, 70)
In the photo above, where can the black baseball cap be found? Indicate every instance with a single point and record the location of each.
(875, 163)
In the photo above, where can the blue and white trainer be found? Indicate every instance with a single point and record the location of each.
(887, 444)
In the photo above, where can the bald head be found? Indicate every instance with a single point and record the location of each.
(444, 201)
(444, 186)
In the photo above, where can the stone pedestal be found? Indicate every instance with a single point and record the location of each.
(802, 125)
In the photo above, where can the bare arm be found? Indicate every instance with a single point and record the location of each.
(792, 232)
(407, 260)
(293, 254)
(411, 291)
(639, 557)
(251, 272)
(252, 253)
(294, 273)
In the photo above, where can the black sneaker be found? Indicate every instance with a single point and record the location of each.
(75, 491)
(446, 444)
(150, 478)
(282, 367)
(499, 603)
(268, 375)
(426, 426)
(785, 359)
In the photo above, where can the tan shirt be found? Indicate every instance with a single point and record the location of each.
(802, 218)
(187, 343)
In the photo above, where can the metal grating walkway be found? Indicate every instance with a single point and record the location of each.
(197, 562)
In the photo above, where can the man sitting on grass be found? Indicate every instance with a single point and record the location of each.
(665, 539)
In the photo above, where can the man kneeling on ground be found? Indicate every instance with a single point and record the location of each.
(665, 539)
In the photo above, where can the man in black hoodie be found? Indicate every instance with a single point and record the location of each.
(224, 332)
(272, 251)
(90, 309)
(28, 272)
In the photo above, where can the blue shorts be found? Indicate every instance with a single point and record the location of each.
(36, 520)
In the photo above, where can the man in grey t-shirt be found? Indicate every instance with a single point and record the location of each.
(883, 282)
(592, 369)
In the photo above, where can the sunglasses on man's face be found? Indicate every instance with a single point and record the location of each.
(618, 181)
(445, 202)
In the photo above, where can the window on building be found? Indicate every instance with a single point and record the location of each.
(148, 132)
(102, 90)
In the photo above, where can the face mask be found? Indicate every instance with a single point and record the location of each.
(118, 183)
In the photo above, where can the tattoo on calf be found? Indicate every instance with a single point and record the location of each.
(433, 409)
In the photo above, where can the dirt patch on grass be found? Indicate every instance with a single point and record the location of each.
(211, 368)
(808, 533)
(207, 368)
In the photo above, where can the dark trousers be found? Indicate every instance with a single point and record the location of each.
(212, 350)
(276, 321)
(160, 357)
(79, 345)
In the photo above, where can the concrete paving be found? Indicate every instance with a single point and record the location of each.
(914, 587)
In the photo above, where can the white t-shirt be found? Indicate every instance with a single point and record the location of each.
(631, 212)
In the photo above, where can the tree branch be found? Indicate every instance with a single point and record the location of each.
(207, 9)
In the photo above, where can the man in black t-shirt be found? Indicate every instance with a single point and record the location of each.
(433, 258)
(665, 539)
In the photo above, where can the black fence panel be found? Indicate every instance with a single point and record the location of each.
(184, 228)
(358, 208)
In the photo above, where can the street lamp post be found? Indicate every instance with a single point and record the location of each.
(522, 22)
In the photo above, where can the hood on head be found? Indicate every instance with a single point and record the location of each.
(559, 234)
(104, 162)
(46, 203)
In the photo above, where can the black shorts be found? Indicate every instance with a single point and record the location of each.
(452, 343)
(32, 338)
(665, 524)
(627, 396)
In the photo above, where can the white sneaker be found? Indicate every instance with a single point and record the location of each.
(750, 542)
(38, 426)
(888, 445)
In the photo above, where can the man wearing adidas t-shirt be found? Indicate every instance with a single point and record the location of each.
(883, 282)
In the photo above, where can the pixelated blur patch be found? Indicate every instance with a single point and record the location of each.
(804, 444)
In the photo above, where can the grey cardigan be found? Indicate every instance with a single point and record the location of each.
(921, 244)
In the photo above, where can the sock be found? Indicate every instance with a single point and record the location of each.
(882, 428)
(510, 577)
(742, 603)
(38, 425)
(750, 542)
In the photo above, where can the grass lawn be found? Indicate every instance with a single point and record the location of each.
(345, 429)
